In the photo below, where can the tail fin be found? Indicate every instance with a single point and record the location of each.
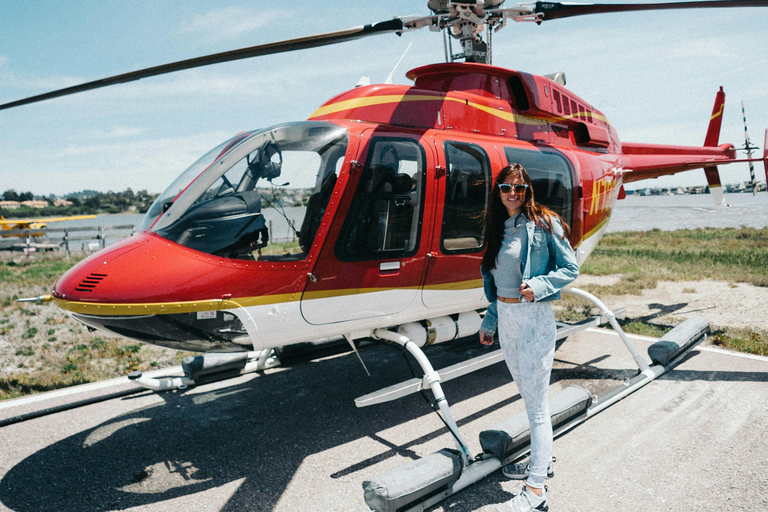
(713, 132)
(713, 180)
(713, 136)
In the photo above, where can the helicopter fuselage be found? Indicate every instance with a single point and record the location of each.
(393, 226)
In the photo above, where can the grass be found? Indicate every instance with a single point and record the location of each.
(743, 340)
(280, 248)
(78, 364)
(43, 270)
(644, 258)
(22, 384)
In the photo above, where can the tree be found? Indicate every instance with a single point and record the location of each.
(10, 195)
(93, 201)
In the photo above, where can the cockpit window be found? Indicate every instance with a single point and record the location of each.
(264, 198)
(164, 200)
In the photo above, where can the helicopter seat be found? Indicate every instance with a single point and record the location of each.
(393, 211)
(316, 206)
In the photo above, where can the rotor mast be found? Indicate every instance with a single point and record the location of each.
(465, 21)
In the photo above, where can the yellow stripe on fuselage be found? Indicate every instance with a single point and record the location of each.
(370, 101)
(170, 308)
(596, 228)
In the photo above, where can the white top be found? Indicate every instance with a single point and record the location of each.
(508, 274)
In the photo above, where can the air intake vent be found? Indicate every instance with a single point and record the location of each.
(90, 282)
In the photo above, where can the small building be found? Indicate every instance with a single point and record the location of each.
(62, 202)
(10, 205)
(35, 204)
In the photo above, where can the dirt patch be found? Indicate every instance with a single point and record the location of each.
(725, 305)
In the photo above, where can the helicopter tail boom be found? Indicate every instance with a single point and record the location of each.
(654, 160)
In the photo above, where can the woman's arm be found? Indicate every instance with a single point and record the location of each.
(490, 321)
(562, 267)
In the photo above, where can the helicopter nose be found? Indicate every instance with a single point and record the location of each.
(94, 278)
(143, 289)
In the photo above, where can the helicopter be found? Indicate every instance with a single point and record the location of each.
(392, 230)
(392, 234)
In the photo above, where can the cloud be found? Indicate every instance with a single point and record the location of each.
(708, 48)
(115, 132)
(228, 23)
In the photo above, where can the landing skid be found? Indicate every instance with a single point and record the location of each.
(428, 480)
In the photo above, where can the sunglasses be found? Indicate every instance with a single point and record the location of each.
(506, 188)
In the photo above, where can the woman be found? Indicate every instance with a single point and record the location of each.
(527, 260)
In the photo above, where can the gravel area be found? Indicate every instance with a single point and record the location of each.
(725, 305)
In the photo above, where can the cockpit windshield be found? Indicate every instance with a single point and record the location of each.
(164, 200)
(234, 203)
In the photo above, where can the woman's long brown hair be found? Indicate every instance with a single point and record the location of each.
(496, 214)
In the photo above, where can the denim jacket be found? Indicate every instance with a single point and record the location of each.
(548, 265)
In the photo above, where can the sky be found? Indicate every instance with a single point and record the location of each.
(654, 75)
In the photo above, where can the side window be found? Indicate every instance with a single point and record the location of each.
(384, 219)
(467, 183)
(550, 176)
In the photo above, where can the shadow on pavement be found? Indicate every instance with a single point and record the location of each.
(259, 431)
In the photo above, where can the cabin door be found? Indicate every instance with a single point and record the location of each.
(372, 263)
(453, 272)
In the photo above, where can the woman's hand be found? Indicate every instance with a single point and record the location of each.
(526, 292)
(486, 338)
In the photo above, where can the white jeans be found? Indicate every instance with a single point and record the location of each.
(527, 334)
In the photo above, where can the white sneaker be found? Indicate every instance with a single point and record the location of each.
(521, 470)
(526, 501)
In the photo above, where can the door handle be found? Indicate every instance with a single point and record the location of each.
(389, 266)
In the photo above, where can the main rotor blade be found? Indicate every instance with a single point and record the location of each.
(556, 10)
(287, 45)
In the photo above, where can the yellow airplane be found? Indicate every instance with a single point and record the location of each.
(34, 224)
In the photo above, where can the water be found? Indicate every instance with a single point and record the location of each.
(636, 213)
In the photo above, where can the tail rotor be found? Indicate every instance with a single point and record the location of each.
(748, 147)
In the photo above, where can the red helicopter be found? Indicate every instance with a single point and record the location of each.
(392, 233)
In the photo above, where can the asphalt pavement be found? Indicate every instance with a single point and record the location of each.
(291, 439)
